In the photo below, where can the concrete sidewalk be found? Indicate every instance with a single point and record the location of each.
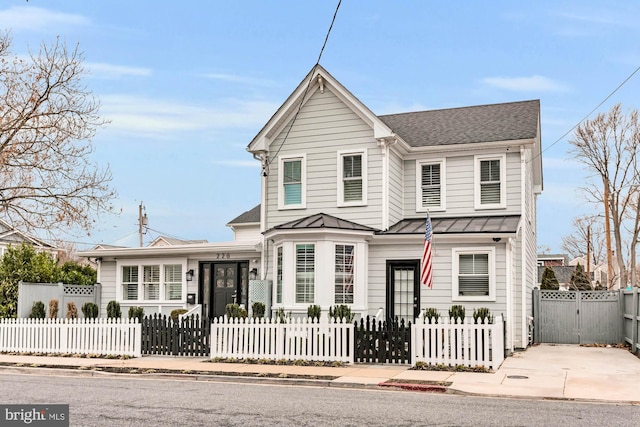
(542, 371)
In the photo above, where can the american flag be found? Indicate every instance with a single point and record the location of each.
(426, 273)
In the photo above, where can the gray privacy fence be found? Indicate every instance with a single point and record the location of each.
(28, 293)
(631, 318)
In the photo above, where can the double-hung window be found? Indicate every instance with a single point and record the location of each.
(430, 185)
(490, 182)
(305, 273)
(151, 282)
(352, 178)
(473, 274)
(279, 261)
(173, 281)
(344, 274)
(291, 178)
(130, 282)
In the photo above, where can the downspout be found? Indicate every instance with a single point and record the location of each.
(509, 284)
(264, 174)
(525, 230)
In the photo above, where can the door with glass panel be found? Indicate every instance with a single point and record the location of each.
(222, 284)
(403, 289)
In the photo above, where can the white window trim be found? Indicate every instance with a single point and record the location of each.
(340, 155)
(443, 185)
(295, 268)
(303, 176)
(355, 272)
(455, 252)
(140, 263)
(503, 182)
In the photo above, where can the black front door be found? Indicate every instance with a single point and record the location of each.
(403, 289)
(222, 283)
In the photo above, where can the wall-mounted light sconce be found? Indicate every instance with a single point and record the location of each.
(253, 274)
(189, 275)
(496, 239)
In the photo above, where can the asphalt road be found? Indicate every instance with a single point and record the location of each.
(133, 401)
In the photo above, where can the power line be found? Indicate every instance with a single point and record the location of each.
(304, 95)
(589, 114)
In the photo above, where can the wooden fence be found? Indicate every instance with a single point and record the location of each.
(382, 342)
(297, 339)
(78, 336)
(454, 342)
(188, 336)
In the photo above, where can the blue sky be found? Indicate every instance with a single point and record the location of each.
(186, 86)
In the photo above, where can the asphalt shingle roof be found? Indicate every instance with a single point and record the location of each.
(250, 216)
(482, 123)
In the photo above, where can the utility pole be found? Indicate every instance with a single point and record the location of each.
(143, 221)
(607, 232)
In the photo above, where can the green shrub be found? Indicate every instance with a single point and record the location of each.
(72, 310)
(37, 311)
(175, 314)
(340, 312)
(234, 311)
(482, 315)
(113, 310)
(282, 316)
(136, 313)
(90, 310)
(53, 309)
(314, 312)
(431, 314)
(457, 312)
(258, 308)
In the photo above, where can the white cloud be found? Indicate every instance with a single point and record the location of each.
(35, 18)
(232, 78)
(148, 117)
(111, 71)
(525, 84)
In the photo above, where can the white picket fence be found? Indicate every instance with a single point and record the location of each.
(297, 339)
(78, 336)
(454, 342)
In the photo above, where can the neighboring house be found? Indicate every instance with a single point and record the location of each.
(345, 196)
(564, 271)
(552, 260)
(13, 237)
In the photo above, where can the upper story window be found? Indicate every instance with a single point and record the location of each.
(352, 178)
(430, 185)
(291, 182)
(490, 182)
(473, 274)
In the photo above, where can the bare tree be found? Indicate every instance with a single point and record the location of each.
(586, 230)
(47, 120)
(608, 146)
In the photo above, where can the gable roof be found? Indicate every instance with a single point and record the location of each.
(10, 235)
(457, 225)
(481, 123)
(251, 216)
(170, 241)
(322, 220)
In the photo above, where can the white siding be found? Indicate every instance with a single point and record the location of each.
(439, 296)
(460, 188)
(396, 188)
(108, 282)
(325, 126)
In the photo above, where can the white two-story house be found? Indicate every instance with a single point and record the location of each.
(342, 216)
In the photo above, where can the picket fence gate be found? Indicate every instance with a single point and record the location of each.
(293, 339)
(456, 342)
(78, 336)
(188, 336)
(386, 341)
